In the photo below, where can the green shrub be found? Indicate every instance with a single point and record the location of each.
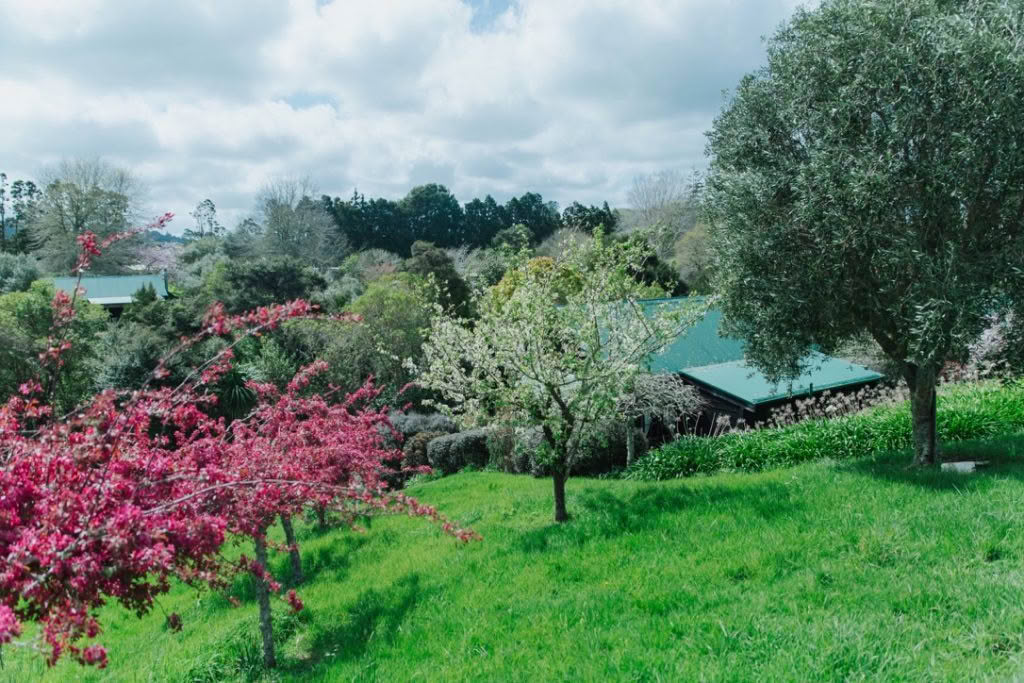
(515, 451)
(17, 272)
(452, 452)
(415, 449)
(411, 423)
(971, 411)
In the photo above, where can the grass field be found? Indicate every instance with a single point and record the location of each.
(829, 570)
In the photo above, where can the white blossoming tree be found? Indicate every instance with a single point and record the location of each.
(557, 344)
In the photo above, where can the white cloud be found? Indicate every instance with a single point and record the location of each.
(570, 98)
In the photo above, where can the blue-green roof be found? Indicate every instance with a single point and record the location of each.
(744, 383)
(699, 345)
(702, 355)
(112, 290)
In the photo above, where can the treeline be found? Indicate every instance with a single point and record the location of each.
(431, 213)
(44, 218)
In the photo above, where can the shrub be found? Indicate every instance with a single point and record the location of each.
(516, 450)
(126, 355)
(604, 449)
(370, 264)
(965, 412)
(452, 452)
(17, 272)
(415, 449)
(413, 423)
(243, 285)
(339, 293)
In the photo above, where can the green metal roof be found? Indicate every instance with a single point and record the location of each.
(702, 355)
(113, 289)
(744, 383)
(699, 345)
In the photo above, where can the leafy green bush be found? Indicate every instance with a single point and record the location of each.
(393, 313)
(452, 452)
(415, 449)
(25, 320)
(411, 423)
(244, 285)
(970, 411)
(126, 355)
(17, 272)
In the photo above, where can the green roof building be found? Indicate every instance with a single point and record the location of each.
(113, 292)
(717, 367)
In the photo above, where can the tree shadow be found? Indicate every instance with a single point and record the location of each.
(375, 613)
(312, 529)
(602, 514)
(334, 560)
(1004, 455)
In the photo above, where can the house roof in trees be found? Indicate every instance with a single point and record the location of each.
(717, 365)
(700, 345)
(113, 290)
(742, 382)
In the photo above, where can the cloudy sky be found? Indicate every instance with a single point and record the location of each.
(213, 98)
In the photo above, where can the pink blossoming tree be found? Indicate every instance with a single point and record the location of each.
(135, 489)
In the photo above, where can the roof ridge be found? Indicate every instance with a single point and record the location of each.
(693, 297)
(96, 277)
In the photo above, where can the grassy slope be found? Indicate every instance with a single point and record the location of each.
(823, 571)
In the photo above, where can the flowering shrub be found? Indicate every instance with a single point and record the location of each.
(135, 488)
(558, 344)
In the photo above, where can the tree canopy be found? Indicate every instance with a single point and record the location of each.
(557, 344)
(870, 178)
(80, 196)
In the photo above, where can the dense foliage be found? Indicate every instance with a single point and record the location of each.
(431, 213)
(868, 179)
(130, 490)
(555, 345)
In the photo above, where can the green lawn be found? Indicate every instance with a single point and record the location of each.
(828, 571)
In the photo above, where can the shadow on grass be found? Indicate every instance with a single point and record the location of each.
(601, 514)
(1005, 457)
(335, 560)
(376, 615)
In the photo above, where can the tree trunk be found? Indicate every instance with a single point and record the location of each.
(922, 382)
(263, 592)
(630, 443)
(293, 550)
(559, 478)
(321, 517)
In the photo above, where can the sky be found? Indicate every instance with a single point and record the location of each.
(203, 99)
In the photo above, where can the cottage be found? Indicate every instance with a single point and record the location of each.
(730, 386)
(114, 292)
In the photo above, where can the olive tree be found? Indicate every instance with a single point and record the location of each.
(870, 178)
(557, 344)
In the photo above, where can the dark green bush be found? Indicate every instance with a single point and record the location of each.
(452, 452)
(971, 411)
(515, 451)
(503, 454)
(412, 423)
(415, 449)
